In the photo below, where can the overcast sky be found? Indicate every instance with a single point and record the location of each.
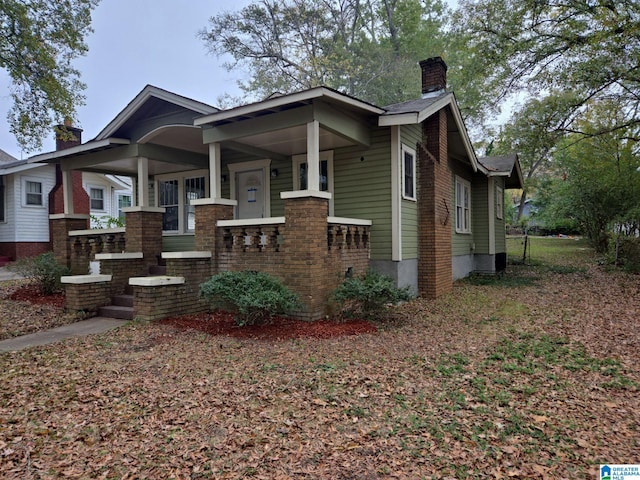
(135, 43)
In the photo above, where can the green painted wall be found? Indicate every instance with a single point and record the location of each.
(363, 188)
(410, 135)
(480, 212)
(178, 243)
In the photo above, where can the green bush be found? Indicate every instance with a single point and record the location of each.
(43, 269)
(252, 296)
(369, 296)
(625, 251)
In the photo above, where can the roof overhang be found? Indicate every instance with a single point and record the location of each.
(419, 116)
(278, 103)
(89, 147)
(17, 168)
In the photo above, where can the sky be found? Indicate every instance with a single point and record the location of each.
(135, 43)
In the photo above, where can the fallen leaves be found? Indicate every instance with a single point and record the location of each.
(488, 382)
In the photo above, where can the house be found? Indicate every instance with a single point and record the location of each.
(310, 187)
(26, 203)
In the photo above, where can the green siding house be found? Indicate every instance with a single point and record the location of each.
(401, 182)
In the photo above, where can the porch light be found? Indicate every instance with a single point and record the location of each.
(274, 172)
(223, 179)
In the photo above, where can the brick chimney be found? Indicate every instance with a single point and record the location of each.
(434, 75)
(68, 136)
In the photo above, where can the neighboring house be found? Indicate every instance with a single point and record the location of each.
(108, 195)
(310, 187)
(25, 190)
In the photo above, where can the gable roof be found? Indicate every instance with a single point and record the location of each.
(148, 94)
(504, 166)
(418, 110)
(6, 158)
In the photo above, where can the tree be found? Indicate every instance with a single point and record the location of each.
(365, 48)
(533, 132)
(591, 48)
(598, 181)
(40, 39)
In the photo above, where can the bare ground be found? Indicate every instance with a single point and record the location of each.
(535, 375)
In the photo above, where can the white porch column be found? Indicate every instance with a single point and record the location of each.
(215, 173)
(67, 192)
(313, 156)
(143, 182)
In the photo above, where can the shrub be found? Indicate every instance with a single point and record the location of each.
(370, 295)
(44, 270)
(252, 296)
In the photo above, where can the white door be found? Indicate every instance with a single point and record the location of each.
(250, 194)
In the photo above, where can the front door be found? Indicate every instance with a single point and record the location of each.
(250, 194)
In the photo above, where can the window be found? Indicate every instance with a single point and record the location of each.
(33, 193)
(194, 189)
(124, 201)
(408, 173)
(96, 197)
(499, 203)
(169, 199)
(175, 193)
(326, 174)
(463, 206)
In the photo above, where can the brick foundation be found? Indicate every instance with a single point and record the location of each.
(15, 250)
(121, 271)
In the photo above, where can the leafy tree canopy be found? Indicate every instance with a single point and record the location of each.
(590, 48)
(39, 40)
(365, 48)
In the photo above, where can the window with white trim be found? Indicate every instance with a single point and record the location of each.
(96, 198)
(124, 201)
(33, 195)
(499, 203)
(175, 193)
(463, 206)
(408, 173)
(326, 172)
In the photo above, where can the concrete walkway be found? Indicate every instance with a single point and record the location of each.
(79, 329)
(5, 274)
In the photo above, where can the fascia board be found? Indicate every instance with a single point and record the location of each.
(282, 101)
(85, 147)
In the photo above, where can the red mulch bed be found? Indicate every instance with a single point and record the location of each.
(280, 328)
(32, 294)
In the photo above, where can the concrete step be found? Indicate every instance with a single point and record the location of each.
(116, 311)
(122, 300)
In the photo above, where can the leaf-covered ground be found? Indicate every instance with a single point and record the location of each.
(532, 375)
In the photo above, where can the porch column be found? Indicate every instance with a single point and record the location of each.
(143, 182)
(313, 156)
(67, 192)
(215, 171)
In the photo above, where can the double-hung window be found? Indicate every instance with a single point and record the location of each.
(96, 197)
(124, 201)
(300, 175)
(33, 195)
(463, 206)
(408, 173)
(175, 193)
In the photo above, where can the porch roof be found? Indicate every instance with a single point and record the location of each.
(504, 166)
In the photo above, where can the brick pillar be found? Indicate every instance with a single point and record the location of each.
(437, 211)
(306, 252)
(144, 232)
(59, 226)
(206, 233)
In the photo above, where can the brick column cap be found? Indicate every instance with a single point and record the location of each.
(144, 209)
(214, 201)
(72, 216)
(81, 279)
(305, 194)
